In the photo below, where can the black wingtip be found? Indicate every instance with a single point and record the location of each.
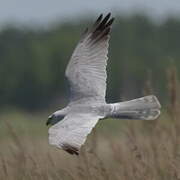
(109, 14)
(99, 18)
(101, 28)
(104, 21)
(110, 22)
(70, 149)
(98, 21)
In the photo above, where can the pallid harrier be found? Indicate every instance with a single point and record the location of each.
(86, 73)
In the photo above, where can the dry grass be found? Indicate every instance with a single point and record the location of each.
(131, 150)
(139, 151)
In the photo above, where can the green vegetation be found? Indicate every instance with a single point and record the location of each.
(32, 62)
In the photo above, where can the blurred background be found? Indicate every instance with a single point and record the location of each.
(37, 39)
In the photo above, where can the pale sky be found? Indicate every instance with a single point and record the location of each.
(47, 11)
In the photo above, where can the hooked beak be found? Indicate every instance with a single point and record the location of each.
(49, 120)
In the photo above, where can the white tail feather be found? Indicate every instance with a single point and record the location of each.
(145, 108)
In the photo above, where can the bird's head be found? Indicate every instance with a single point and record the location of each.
(54, 118)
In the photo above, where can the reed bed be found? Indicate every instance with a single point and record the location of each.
(130, 150)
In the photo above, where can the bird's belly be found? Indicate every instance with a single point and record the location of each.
(100, 109)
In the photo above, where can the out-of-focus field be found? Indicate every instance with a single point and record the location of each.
(116, 149)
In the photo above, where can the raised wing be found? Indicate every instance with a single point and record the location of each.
(70, 133)
(86, 70)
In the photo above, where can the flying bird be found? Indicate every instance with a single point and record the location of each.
(86, 73)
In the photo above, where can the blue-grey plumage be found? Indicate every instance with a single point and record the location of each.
(86, 73)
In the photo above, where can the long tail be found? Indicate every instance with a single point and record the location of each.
(145, 108)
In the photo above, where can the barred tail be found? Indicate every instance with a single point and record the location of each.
(145, 108)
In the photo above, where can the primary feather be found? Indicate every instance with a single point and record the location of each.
(70, 133)
(86, 70)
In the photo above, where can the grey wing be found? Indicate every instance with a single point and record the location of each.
(86, 70)
(70, 133)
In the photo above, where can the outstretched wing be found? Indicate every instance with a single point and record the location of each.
(70, 133)
(86, 70)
